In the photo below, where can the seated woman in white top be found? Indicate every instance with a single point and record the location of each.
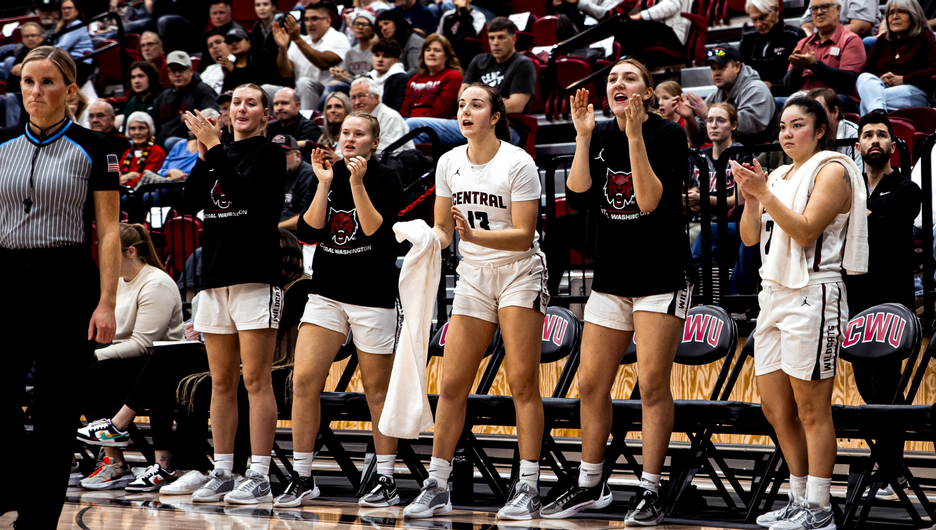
(148, 309)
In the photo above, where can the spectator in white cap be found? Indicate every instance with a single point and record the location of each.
(187, 93)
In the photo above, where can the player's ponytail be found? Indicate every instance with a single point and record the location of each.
(502, 125)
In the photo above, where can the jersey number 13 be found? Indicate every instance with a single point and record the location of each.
(482, 218)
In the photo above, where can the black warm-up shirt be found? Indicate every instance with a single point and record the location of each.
(637, 254)
(348, 266)
(241, 191)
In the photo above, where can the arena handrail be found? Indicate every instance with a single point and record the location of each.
(121, 41)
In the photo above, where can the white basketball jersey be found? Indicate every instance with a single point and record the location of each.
(824, 256)
(484, 194)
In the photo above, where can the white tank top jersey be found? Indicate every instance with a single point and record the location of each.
(824, 256)
(484, 194)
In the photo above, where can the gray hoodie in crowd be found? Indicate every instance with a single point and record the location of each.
(757, 115)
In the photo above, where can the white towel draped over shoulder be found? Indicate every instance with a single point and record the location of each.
(406, 410)
(786, 263)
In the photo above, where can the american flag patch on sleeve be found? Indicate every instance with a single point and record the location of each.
(112, 165)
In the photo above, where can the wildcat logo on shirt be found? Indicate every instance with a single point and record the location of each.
(218, 197)
(343, 225)
(619, 189)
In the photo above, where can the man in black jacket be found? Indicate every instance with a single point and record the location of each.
(187, 93)
(290, 122)
(251, 65)
(767, 49)
(299, 179)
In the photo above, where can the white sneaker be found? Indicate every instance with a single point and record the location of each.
(186, 485)
(788, 510)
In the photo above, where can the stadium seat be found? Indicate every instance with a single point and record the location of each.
(544, 31)
(923, 119)
(527, 126)
(906, 131)
(535, 7)
(132, 41)
(183, 236)
(570, 70)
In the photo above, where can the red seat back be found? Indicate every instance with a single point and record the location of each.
(544, 31)
(906, 131)
(922, 118)
(536, 7)
(183, 236)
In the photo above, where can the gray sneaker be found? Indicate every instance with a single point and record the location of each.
(810, 516)
(219, 484)
(432, 500)
(768, 519)
(524, 505)
(253, 490)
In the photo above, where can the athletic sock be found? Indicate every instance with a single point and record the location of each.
(798, 486)
(590, 474)
(529, 474)
(649, 481)
(817, 491)
(302, 463)
(260, 464)
(440, 470)
(385, 465)
(225, 462)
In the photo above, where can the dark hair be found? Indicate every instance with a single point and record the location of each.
(831, 100)
(875, 116)
(502, 126)
(321, 6)
(291, 250)
(813, 108)
(565, 28)
(77, 4)
(151, 73)
(403, 28)
(502, 24)
(388, 47)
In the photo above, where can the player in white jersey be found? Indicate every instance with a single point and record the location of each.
(489, 191)
(800, 326)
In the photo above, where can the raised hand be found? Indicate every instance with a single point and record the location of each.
(322, 167)
(461, 224)
(696, 103)
(751, 179)
(206, 131)
(292, 28)
(683, 110)
(583, 113)
(358, 167)
(636, 114)
(280, 36)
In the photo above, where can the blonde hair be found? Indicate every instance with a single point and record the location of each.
(670, 88)
(328, 136)
(62, 62)
(136, 236)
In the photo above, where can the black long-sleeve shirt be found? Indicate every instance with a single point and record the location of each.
(769, 55)
(349, 266)
(893, 204)
(242, 192)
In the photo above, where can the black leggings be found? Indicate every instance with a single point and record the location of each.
(149, 384)
(44, 320)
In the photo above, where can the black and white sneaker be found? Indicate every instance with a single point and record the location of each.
(647, 510)
(298, 491)
(153, 479)
(383, 493)
(576, 499)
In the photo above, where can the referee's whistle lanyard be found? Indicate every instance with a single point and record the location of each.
(28, 202)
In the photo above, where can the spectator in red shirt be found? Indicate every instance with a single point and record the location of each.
(144, 155)
(900, 67)
(832, 57)
(433, 91)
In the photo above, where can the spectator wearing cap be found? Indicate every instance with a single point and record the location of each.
(289, 122)
(49, 16)
(418, 15)
(187, 93)
(213, 76)
(768, 48)
(832, 57)
(299, 179)
(309, 58)
(250, 65)
(899, 70)
(151, 48)
(861, 17)
(224, 116)
(101, 118)
(261, 36)
(219, 17)
(358, 61)
(740, 85)
(365, 97)
(459, 24)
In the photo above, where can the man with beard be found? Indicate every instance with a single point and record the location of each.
(289, 121)
(893, 202)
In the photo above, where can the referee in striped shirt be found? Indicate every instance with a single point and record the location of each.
(56, 179)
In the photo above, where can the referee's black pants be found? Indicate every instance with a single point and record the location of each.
(48, 298)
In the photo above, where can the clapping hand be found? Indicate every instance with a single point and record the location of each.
(280, 36)
(357, 165)
(206, 131)
(583, 113)
(635, 114)
(322, 166)
(696, 103)
(751, 179)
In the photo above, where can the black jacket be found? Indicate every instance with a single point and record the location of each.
(241, 191)
(395, 90)
(894, 204)
(769, 54)
(171, 104)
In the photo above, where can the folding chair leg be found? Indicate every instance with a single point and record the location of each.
(411, 459)
(771, 474)
(921, 497)
(327, 438)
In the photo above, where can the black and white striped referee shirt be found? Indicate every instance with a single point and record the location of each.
(71, 164)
